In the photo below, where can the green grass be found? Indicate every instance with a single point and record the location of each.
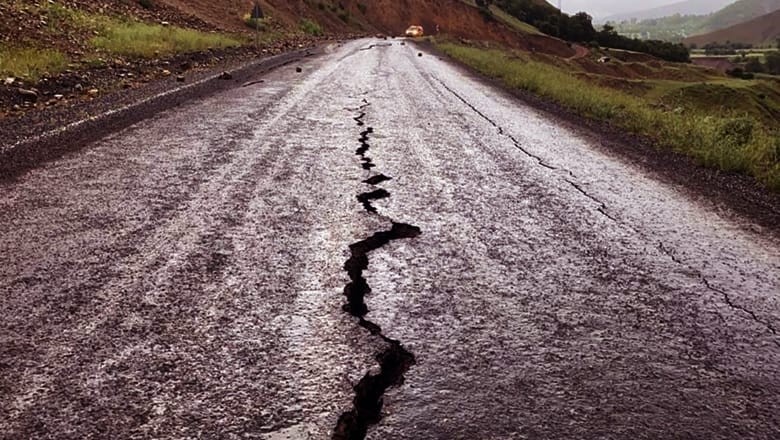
(147, 40)
(732, 141)
(310, 27)
(30, 62)
(120, 36)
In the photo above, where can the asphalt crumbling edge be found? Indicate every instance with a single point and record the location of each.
(19, 157)
(395, 360)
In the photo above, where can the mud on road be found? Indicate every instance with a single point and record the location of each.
(379, 246)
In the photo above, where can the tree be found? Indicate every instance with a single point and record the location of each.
(773, 62)
(754, 65)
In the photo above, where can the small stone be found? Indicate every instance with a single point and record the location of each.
(93, 92)
(17, 107)
(180, 78)
(8, 81)
(225, 76)
(127, 85)
(298, 69)
(419, 54)
(58, 96)
(164, 23)
(30, 95)
(166, 72)
(78, 87)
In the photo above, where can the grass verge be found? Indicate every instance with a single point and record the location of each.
(148, 40)
(29, 62)
(731, 142)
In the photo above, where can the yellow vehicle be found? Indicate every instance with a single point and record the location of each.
(415, 31)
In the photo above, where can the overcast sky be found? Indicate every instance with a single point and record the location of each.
(601, 8)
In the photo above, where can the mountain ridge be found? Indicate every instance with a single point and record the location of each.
(758, 31)
(687, 7)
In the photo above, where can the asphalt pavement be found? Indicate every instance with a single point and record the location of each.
(380, 245)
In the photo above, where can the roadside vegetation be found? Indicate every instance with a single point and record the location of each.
(29, 62)
(311, 27)
(108, 36)
(146, 40)
(725, 123)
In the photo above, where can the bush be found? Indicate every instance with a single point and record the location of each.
(310, 27)
(261, 24)
(737, 131)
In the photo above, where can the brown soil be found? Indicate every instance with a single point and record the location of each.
(23, 22)
(453, 18)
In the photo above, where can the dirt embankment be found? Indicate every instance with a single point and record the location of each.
(453, 18)
(450, 17)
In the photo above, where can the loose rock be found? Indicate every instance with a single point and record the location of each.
(298, 69)
(225, 76)
(29, 95)
(180, 78)
(93, 92)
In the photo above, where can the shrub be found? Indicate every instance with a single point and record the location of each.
(31, 62)
(261, 24)
(736, 131)
(310, 27)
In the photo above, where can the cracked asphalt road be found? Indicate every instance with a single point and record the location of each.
(185, 277)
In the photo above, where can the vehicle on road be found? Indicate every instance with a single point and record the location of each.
(415, 31)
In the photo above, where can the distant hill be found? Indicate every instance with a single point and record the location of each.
(688, 7)
(739, 12)
(762, 30)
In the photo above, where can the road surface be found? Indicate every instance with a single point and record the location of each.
(379, 245)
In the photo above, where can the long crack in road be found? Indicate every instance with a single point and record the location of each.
(506, 276)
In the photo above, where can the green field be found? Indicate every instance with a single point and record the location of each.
(729, 124)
